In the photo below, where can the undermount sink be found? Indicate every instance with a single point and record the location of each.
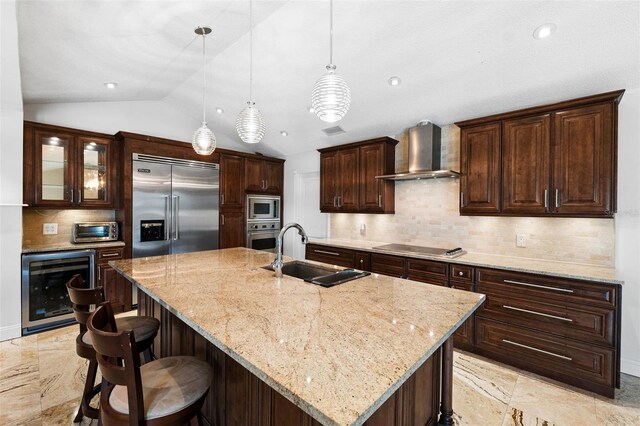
(320, 275)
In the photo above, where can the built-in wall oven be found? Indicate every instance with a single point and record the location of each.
(45, 301)
(262, 235)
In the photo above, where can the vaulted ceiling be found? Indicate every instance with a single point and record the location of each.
(457, 59)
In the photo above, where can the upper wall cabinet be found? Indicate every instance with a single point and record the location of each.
(347, 177)
(66, 168)
(553, 160)
(264, 176)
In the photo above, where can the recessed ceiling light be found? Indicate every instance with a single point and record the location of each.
(219, 110)
(544, 31)
(110, 85)
(311, 109)
(284, 133)
(394, 81)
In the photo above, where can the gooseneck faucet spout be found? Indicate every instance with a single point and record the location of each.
(277, 263)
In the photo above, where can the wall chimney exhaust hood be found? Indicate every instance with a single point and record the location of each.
(424, 155)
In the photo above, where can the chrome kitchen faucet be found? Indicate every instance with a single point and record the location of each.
(277, 263)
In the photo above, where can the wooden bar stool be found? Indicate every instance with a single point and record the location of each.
(167, 391)
(83, 298)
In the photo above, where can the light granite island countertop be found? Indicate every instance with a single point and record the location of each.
(336, 353)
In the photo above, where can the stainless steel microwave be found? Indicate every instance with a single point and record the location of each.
(87, 232)
(263, 207)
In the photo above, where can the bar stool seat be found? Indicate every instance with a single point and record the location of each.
(143, 327)
(168, 385)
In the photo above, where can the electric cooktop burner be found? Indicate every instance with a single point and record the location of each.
(431, 251)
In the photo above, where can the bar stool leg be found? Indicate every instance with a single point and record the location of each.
(88, 393)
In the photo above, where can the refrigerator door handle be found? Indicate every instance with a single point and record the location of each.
(166, 216)
(176, 220)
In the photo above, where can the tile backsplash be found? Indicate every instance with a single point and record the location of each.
(427, 214)
(33, 219)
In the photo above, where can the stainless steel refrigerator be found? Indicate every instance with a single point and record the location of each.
(175, 205)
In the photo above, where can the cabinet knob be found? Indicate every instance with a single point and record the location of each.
(361, 261)
(461, 273)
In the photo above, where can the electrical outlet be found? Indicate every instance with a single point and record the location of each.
(49, 229)
(521, 240)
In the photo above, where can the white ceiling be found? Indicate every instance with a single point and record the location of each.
(457, 60)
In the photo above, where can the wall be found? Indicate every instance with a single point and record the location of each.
(628, 228)
(427, 214)
(32, 221)
(10, 173)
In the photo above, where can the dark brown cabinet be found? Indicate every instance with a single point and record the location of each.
(332, 255)
(347, 177)
(232, 228)
(480, 169)
(427, 271)
(526, 164)
(66, 168)
(263, 176)
(232, 175)
(584, 161)
(386, 264)
(115, 287)
(462, 277)
(552, 160)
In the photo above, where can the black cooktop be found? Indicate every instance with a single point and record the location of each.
(431, 251)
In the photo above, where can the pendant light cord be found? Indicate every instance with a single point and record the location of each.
(330, 32)
(204, 80)
(250, 50)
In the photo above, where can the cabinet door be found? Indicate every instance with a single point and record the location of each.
(117, 289)
(584, 182)
(254, 177)
(232, 182)
(348, 177)
(93, 172)
(232, 233)
(329, 181)
(371, 189)
(526, 168)
(273, 176)
(480, 169)
(54, 171)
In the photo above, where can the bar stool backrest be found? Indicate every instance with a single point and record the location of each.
(83, 298)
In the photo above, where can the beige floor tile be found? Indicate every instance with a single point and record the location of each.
(63, 414)
(482, 391)
(625, 408)
(551, 404)
(20, 400)
(516, 417)
(18, 356)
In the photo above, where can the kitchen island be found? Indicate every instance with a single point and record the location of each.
(370, 351)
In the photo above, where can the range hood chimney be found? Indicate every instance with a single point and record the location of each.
(424, 155)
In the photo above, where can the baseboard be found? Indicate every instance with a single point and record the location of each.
(10, 332)
(630, 366)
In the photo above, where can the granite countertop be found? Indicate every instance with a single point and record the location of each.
(337, 353)
(38, 248)
(512, 263)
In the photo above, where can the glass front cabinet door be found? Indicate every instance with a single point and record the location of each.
(71, 170)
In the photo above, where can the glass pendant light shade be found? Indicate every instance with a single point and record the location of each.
(250, 124)
(204, 141)
(331, 97)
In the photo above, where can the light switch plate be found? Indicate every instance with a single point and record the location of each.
(49, 229)
(521, 240)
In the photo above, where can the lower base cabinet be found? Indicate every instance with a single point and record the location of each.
(564, 329)
(116, 288)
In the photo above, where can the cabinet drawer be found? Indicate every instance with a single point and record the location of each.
(387, 265)
(545, 288)
(461, 272)
(561, 359)
(363, 261)
(105, 255)
(427, 271)
(332, 255)
(587, 323)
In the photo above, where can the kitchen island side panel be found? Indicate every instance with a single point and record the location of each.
(238, 397)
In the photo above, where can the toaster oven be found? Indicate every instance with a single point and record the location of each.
(88, 232)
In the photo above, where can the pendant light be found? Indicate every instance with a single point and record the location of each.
(204, 141)
(249, 123)
(331, 96)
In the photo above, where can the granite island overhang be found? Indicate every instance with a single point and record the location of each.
(336, 354)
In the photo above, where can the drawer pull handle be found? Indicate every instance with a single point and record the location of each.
(513, 308)
(110, 254)
(327, 252)
(537, 350)
(546, 287)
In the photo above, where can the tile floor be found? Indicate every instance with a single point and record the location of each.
(41, 379)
